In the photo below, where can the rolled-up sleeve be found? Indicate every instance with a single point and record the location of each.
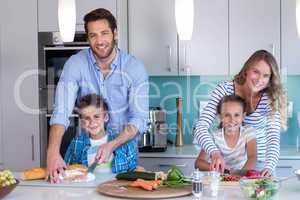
(65, 95)
(206, 119)
(273, 140)
(139, 99)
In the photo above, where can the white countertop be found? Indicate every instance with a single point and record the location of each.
(192, 151)
(289, 190)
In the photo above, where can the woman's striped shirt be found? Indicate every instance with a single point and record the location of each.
(263, 119)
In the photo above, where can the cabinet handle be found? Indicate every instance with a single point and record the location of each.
(169, 165)
(32, 147)
(284, 167)
(273, 48)
(169, 58)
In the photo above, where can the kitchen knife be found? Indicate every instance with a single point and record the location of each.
(92, 167)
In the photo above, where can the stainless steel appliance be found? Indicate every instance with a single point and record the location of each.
(53, 54)
(155, 138)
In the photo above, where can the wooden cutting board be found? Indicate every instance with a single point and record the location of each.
(121, 188)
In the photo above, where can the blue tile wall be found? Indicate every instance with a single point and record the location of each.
(165, 89)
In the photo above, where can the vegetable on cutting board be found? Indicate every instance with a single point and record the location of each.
(146, 184)
(176, 178)
(134, 175)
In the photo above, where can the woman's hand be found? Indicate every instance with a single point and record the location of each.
(217, 162)
(266, 173)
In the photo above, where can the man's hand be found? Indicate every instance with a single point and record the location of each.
(266, 172)
(55, 166)
(104, 152)
(217, 162)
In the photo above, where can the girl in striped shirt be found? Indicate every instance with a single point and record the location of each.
(236, 142)
(258, 83)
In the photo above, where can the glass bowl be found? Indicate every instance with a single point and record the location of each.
(7, 189)
(259, 188)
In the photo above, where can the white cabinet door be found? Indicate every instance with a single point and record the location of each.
(48, 12)
(153, 36)
(207, 52)
(19, 84)
(253, 25)
(290, 40)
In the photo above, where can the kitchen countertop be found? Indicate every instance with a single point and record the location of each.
(191, 151)
(289, 190)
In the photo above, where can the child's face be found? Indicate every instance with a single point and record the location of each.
(92, 119)
(232, 116)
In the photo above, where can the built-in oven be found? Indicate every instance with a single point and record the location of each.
(52, 57)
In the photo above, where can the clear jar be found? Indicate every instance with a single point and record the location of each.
(197, 183)
(213, 183)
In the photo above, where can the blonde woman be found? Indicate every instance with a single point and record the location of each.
(258, 83)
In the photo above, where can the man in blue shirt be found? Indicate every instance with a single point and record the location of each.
(106, 70)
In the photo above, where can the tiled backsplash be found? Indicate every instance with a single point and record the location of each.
(165, 89)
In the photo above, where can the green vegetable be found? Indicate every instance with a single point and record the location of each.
(176, 178)
(132, 176)
(174, 174)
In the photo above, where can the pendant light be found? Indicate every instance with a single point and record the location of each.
(298, 16)
(67, 19)
(184, 16)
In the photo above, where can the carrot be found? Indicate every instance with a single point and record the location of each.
(142, 183)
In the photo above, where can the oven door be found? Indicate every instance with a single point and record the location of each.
(51, 66)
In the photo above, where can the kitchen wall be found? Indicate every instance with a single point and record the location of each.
(165, 89)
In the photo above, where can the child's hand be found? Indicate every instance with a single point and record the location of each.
(217, 162)
(104, 152)
(266, 173)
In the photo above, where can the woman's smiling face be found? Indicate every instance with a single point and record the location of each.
(258, 76)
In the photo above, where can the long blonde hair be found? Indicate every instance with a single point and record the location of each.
(274, 89)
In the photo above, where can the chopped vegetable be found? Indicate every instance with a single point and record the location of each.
(260, 189)
(176, 178)
(146, 184)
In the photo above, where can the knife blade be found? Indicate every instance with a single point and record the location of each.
(92, 167)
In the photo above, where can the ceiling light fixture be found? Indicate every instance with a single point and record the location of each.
(184, 16)
(67, 19)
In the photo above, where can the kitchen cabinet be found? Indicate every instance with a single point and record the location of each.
(186, 165)
(19, 84)
(285, 167)
(207, 52)
(48, 12)
(153, 38)
(290, 40)
(152, 35)
(253, 25)
(48, 15)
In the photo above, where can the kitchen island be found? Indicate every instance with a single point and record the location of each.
(290, 190)
(184, 158)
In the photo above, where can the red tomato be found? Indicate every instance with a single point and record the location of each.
(252, 174)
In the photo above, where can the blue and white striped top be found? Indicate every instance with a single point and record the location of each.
(263, 119)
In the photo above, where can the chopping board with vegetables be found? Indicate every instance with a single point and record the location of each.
(148, 185)
(122, 188)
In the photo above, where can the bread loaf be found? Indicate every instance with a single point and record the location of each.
(40, 172)
(34, 173)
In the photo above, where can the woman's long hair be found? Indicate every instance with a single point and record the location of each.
(274, 89)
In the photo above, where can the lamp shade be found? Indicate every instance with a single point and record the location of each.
(184, 16)
(67, 19)
(298, 16)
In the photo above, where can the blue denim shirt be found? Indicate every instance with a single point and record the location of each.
(125, 89)
(124, 159)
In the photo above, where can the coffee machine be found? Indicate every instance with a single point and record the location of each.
(155, 138)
